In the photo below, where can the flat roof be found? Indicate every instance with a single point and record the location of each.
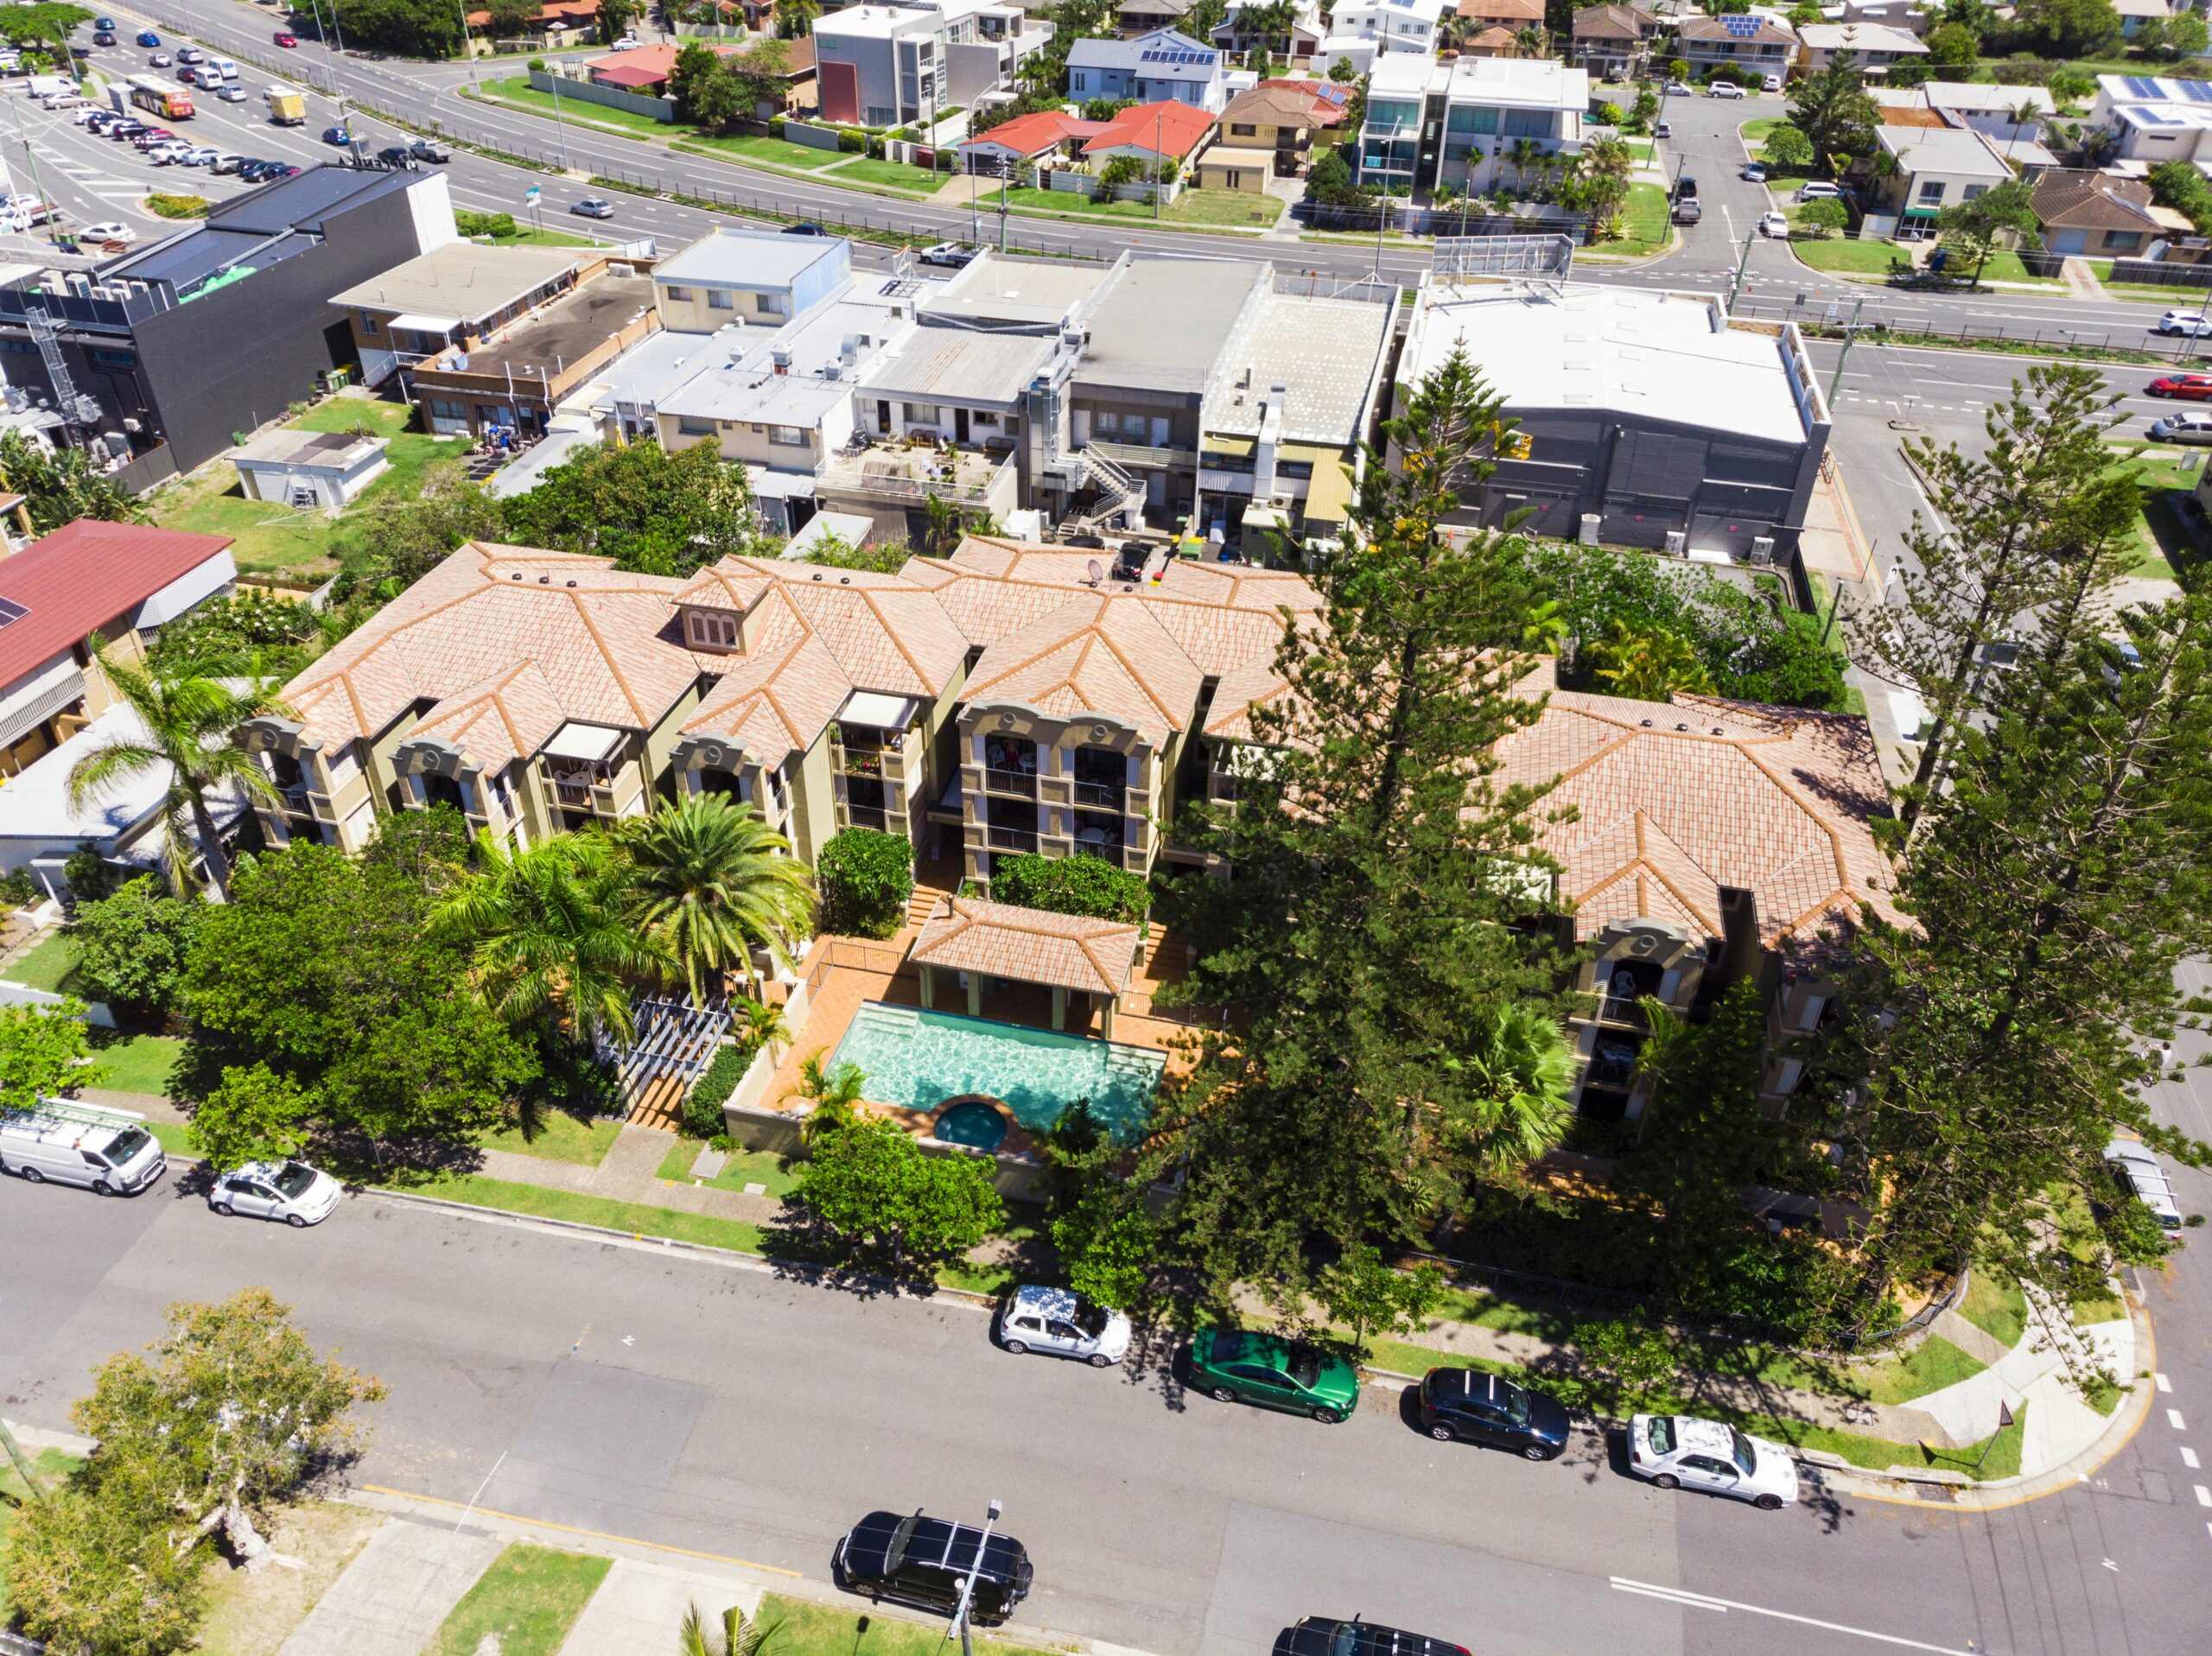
(962, 364)
(38, 807)
(1007, 287)
(733, 373)
(1860, 37)
(750, 258)
(1164, 320)
(307, 197)
(1325, 351)
(464, 279)
(569, 328)
(1669, 356)
(336, 450)
(1529, 83)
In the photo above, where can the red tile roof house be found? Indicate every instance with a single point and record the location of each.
(1028, 138)
(86, 582)
(1153, 132)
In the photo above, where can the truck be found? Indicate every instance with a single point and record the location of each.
(286, 107)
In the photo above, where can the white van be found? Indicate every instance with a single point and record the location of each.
(107, 1151)
(223, 67)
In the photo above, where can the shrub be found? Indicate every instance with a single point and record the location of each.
(91, 876)
(177, 207)
(876, 1190)
(19, 891)
(498, 226)
(2023, 70)
(865, 877)
(536, 63)
(1081, 885)
(702, 1110)
(131, 946)
(776, 127)
(852, 140)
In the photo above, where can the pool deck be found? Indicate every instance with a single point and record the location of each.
(842, 972)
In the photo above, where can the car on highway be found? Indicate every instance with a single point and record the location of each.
(231, 92)
(2186, 388)
(2182, 426)
(1663, 129)
(293, 1192)
(1324, 1635)
(1238, 1367)
(159, 61)
(1818, 189)
(593, 207)
(339, 136)
(2194, 323)
(104, 37)
(1724, 89)
(424, 149)
(192, 55)
(1685, 1452)
(283, 39)
(914, 1559)
(804, 227)
(1466, 1405)
(147, 37)
(1755, 171)
(1689, 211)
(109, 233)
(2133, 1168)
(1062, 1324)
(1774, 225)
(104, 23)
(952, 254)
(396, 155)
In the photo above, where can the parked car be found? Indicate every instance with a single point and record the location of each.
(292, 1192)
(107, 1151)
(925, 1561)
(2194, 323)
(627, 43)
(2137, 1170)
(341, 136)
(1755, 171)
(1467, 1406)
(1724, 89)
(1276, 1373)
(2182, 427)
(1772, 83)
(92, 116)
(200, 156)
(285, 40)
(1689, 211)
(147, 37)
(227, 164)
(170, 152)
(1677, 89)
(1774, 225)
(1680, 1449)
(1685, 186)
(1323, 1636)
(952, 254)
(108, 233)
(231, 92)
(1819, 189)
(1663, 129)
(2186, 388)
(424, 149)
(159, 61)
(1063, 1324)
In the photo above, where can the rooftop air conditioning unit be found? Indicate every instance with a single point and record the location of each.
(1762, 549)
(1677, 542)
(1589, 536)
(621, 269)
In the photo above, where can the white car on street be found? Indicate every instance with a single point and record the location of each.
(2195, 323)
(1681, 1450)
(291, 1191)
(107, 230)
(1063, 1324)
(1774, 225)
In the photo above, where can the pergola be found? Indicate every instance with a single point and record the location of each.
(1062, 952)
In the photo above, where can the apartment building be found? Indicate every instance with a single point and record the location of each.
(1458, 122)
(1164, 66)
(882, 66)
(756, 277)
(1935, 167)
(164, 352)
(1762, 45)
(1652, 419)
(1393, 26)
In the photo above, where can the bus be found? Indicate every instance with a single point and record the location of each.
(159, 97)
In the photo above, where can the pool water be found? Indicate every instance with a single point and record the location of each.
(916, 1060)
(977, 1126)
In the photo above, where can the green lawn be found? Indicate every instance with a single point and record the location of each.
(1995, 1304)
(1644, 229)
(1838, 255)
(557, 1136)
(517, 90)
(530, 236)
(886, 174)
(271, 537)
(137, 1063)
(1218, 208)
(2004, 266)
(527, 1601)
(635, 1217)
(1930, 1366)
(744, 1167)
(47, 966)
(810, 1629)
(769, 152)
(170, 1137)
(52, 1466)
(2161, 536)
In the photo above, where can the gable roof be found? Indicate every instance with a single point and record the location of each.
(1162, 129)
(1673, 801)
(1028, 945)
(1611, 22)
(1277, 104)
(1768, 33)
(2079, 199)
(57, 590)
(1161, 54)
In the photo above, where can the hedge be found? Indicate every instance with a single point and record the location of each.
(865, 877)
(1081, 885)
(702, 1110)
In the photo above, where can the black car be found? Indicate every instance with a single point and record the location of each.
(804, 227)
(104, 37)
(924, 1561)
(1467, 1403)
(1685, 189)
(396, 155)
(1321, 1635)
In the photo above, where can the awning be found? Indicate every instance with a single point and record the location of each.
(1329, 493)
(61, 684)
(575, 741)
(415, 322)
(877, 711)
(780, 486)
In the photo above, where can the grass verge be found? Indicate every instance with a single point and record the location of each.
(1836, 255)
(1994, 1304)
(812, 1630)
(47, 966)
(557, 1136)
(1644, 230)
(637, 1218)
(517, 92)
(764, 151)
(744, 1167)
(137, 1063)
(527, 1600)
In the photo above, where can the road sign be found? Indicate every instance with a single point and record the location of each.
(530, 196)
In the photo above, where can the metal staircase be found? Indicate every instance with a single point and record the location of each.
(1121, 497)
(48, 337)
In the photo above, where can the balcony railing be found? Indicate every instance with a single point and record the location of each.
(1151, 454)
(1022, 783)
(900, 474)
(1012, 839)
(1622, 1009)
(1108, 795)
(867, 817)
(863, 762)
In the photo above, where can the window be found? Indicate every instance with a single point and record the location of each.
(981, 417)
(1932, 190)
(2123, 241)
(880, 115)
(713, 630)
(370, 325)
(1107, 424)
(789, 436)
(920, 413)
(1527, 123)
(772, 304)
(686, 426)
(679, 295)
(717, 300)
(1973, 190)
(1243, 129)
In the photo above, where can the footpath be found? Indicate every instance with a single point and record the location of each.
(1983, 1412)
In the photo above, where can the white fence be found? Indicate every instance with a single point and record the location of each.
(1086, 184)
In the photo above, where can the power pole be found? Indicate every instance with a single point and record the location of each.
(1850, 333)
(967, 1587)
(1736, 282)
(23, 1468)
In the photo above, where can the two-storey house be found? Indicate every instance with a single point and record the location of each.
(1164, 66)
(1761, 45)
(1613, 42)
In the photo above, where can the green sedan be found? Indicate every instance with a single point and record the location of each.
(1274, 1373)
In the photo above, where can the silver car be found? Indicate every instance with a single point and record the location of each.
(291, 1191)
(1682, 1451)
(1063, 1324)
(2139, 1173)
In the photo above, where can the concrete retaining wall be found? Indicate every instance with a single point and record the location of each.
(585, 91)
(814, 137)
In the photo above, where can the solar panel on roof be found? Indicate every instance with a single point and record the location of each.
(2141, 86)
(11, 611)
(2197, 91)
(1742, 25)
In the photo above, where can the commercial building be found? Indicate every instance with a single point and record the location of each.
(757, 277)
(511, 379)
(1762, 45)
(1652, 420)
(1458, 122)
(453, 295)
(164, 352)
(1163, 67)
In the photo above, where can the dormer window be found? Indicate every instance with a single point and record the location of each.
(710, 629)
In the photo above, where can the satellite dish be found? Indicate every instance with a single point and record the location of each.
(1097, 574)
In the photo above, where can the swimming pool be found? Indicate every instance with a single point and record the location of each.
(916, 1060)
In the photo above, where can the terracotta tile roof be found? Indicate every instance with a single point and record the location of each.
(1097, 654)
(1275, 104)
(2078, 199)
(1032, 135)
(1674, 801)
(1517, 11)
(85, 575)
(1610, 22)
(508, 643)
(1164, 129)
(1495, 38)
(1028, 945)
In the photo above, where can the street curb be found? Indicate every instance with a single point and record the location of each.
(707, 1251)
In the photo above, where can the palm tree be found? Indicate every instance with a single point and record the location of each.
(551, 933)
(1527, 1068)
(760, 1024)
(735, 1636)
(710, 882)
(1264, 26)
(191, 723)
(1523, 154)
(1647, 663)
(835, 1095)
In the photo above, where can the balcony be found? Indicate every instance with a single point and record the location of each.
(863, 762)
(1101, 796)
(1010, 839)
(1020, 784)
(1618, 1009)
(867, 817)
(1158, 457)
(963, 477)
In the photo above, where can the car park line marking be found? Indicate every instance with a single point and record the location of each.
(2173, 1419)
(1705, 1602)
(2203, 1496)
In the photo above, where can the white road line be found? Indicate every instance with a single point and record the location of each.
(2188, 1457)
(2161, 1382)
(2173, 1419)
(2203, 1496)
(1690, 1601)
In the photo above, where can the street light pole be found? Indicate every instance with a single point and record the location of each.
(967, 1587)
(1736, 282)
(468, 43)
(1850, 333)
(1157, 161)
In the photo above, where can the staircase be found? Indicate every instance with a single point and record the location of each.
(1119, 497)
(923, 904)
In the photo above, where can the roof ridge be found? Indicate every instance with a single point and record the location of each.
(613, 667)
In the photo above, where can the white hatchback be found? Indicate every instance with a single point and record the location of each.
(1063, 1324)
(1682, 1450)
(291, 1191)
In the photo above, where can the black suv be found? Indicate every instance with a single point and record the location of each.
(396, 156)
(1466, 1403)
(924, 1561)
(1321, 1635)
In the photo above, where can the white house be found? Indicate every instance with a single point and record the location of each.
(1393, 25)
(1164, 67)
(311, 469)
(1873, 46)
